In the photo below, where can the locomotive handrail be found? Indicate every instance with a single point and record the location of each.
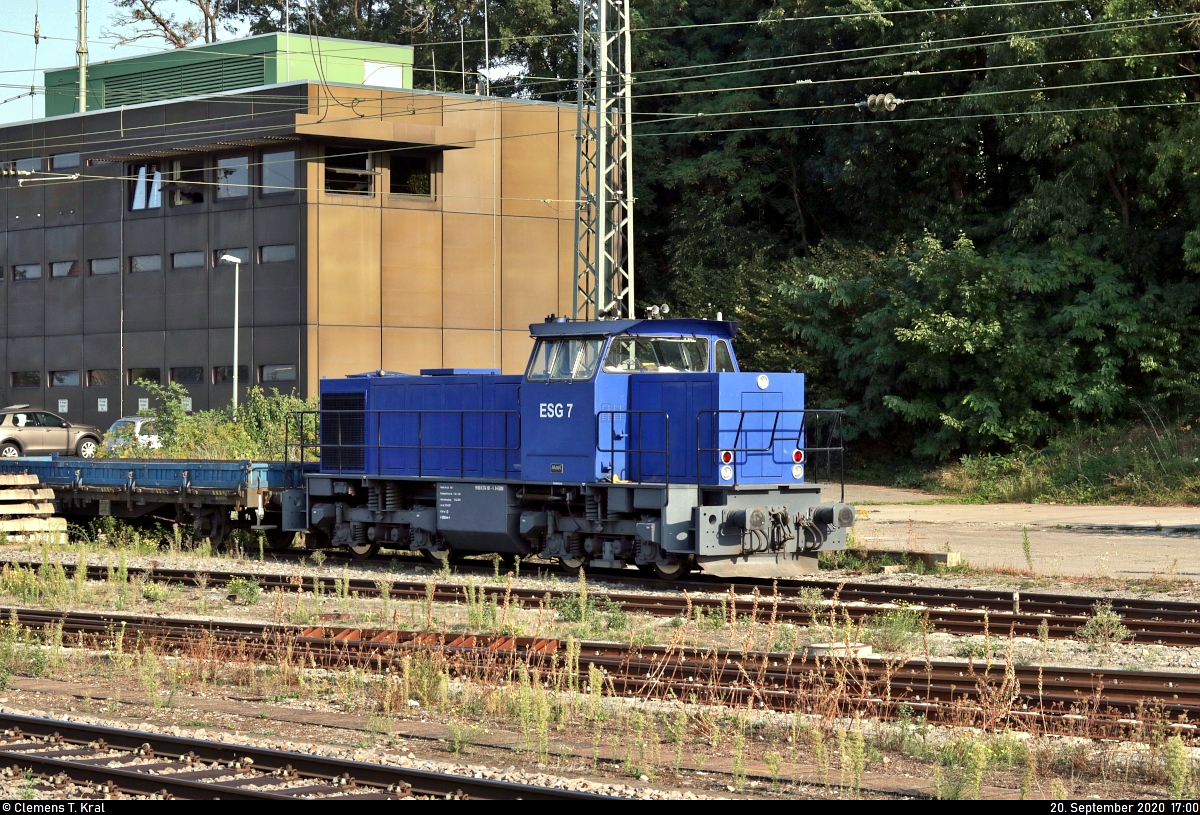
(665, 452)
(320, 444)
(799, 436)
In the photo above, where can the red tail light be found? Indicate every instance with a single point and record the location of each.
(798, 456)
(726, 457)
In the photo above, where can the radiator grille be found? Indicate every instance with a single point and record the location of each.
(210, 76)
(342, 434)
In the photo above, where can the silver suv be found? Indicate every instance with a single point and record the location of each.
(25, 432)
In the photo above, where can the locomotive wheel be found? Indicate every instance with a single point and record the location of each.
(670, 571)
(364, 550)
(572, 565)
(278, 540)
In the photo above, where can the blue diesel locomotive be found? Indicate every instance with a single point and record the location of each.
(626, 442)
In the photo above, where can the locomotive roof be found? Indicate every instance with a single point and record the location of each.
(658, 328)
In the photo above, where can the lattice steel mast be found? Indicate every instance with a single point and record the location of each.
(604, 163)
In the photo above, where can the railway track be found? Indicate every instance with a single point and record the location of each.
(978, 692)
(952, 611)
(102, 760)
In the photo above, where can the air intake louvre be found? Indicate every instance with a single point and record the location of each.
(210, 76)
(342, 434)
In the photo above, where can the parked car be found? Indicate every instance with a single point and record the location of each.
(125, 430)
(25, 432)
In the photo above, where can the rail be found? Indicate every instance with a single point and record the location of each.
(340, 438)
(800, 436)
(628, 433)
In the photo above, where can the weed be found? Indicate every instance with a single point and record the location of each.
(1026, 548)
(1178, 769)
(854, 756)
(318, 557)
(810, 599)
(1027, 782)
(820, 754)
(462, 736)
(774, 762)
(977, 761)
(155, 591)
(677, 728)
(894, 630)
(1104, 627)
(1058, 792)
(739, 757)
(243, 591)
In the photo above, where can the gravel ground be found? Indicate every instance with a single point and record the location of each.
(367, 755)
(212, 604)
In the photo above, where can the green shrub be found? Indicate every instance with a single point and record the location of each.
(256, 432)
(1148, 463)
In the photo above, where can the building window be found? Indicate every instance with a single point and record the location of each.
(64, 161)
(103, 377)
(64, 268)
(138, 374)
(243, 255)
(187, 181)
(151, 263)
(279, 172)
(29, 164)
(277, 373)
(233, 177)
(187, 260)
(223, 374)
(27, 271)
(64, 379)
(26, 379)
(104, 265)
(349, 173)
(145, 187)
(277, 253)
(411, 175)
(188, 376)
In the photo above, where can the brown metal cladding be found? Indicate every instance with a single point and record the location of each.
(401, 282)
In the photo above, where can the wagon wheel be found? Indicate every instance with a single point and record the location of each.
(670, 570)
(572, 565)
(278, 540)
(363, 550)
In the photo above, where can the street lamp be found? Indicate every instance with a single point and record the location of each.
(237, 277)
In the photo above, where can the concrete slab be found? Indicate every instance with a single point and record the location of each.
(1117, 541)
(1134, 542)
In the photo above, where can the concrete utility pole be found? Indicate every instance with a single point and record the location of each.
(82, 52)
(237, 279)
(487, 52)
(604, 163)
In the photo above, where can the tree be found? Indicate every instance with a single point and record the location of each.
(136, 20)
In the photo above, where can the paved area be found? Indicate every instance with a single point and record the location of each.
(1121, 541)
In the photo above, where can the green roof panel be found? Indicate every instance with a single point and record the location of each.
(267, 59)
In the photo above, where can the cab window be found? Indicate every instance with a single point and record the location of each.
(564, 360)
(628, 354)
(723, 360)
